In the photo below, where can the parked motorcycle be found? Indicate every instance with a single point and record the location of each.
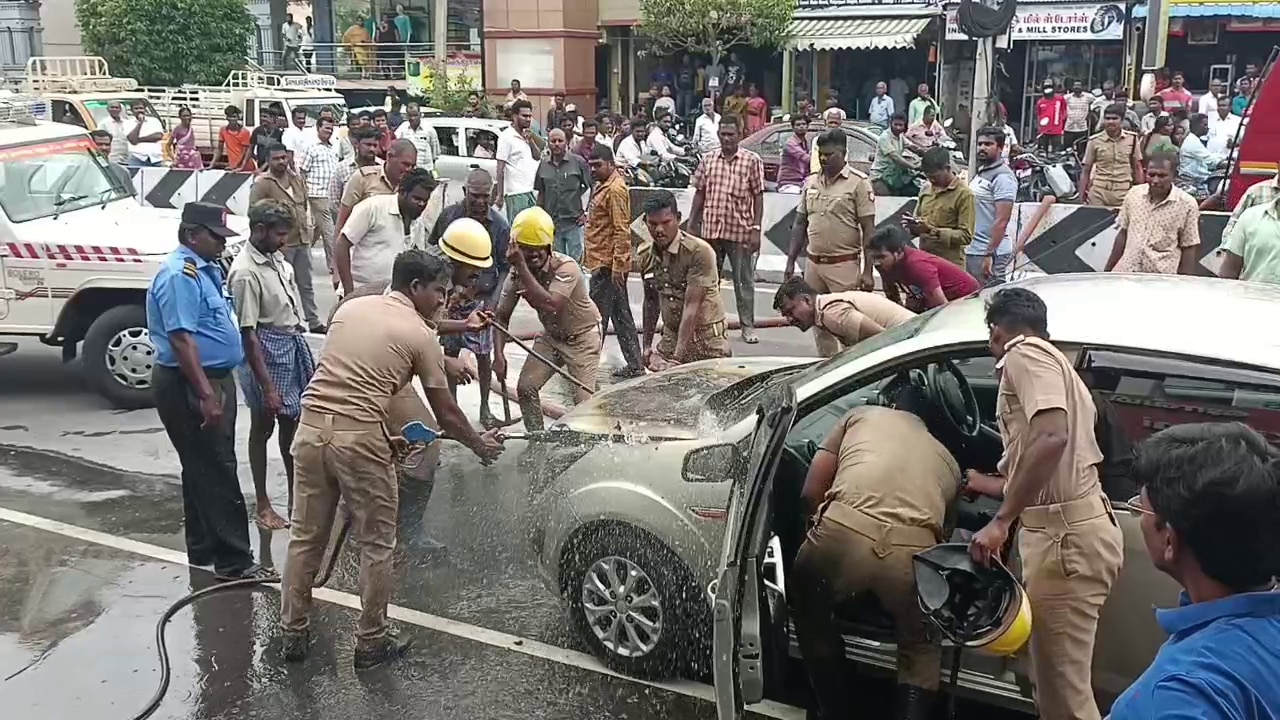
(1039, 178)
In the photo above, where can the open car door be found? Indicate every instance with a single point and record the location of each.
(737, 645)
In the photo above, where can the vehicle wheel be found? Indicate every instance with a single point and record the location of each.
(635, 603)
(118, 356)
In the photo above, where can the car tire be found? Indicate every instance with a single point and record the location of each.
(117, 356)
(684, 638)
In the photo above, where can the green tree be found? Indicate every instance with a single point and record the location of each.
(167, 42)
(711, 27)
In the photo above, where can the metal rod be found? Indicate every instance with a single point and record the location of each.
(539, 356)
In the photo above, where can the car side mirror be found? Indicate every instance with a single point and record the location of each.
(714, 464)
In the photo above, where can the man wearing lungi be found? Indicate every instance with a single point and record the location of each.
(278, 362)
(482, 294)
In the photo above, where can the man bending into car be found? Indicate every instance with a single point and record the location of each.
(848, 317)
(877, 492)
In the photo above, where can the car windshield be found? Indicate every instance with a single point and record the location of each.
(48, 178)
(98, 109)
(898, 333)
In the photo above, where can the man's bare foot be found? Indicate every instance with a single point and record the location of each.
(749, 336)
(269, 519)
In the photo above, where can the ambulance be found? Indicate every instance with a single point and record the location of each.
(77, 251)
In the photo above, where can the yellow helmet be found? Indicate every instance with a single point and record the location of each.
(973, 606)
(466, 241)
(533, 227)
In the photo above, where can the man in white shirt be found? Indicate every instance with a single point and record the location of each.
(517, 162)
(144, 138)
(1209, 101)
(118, 128)
(1223, 126)
(423, 137)
(634, 151)
(660, 143)
(881, 107)
(379, 229)
(291, 34)
(297, 137)
(706, 129)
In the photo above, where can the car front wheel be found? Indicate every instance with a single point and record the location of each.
(634, 603)
(118, 356)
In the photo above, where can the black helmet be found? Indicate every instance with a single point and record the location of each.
(973, 606)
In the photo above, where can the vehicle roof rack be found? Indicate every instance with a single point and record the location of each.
(23, 109)
(247, 79)
(73, 74)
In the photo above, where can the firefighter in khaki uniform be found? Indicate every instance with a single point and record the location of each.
(848, 317)
(1069, 541)
(834, 220)
(877, 492)
(680, 284)
(554, 285)
(344, 449)
(1111, 162)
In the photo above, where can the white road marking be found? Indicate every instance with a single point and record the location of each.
(474, 633)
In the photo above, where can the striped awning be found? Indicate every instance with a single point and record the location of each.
(872, 33)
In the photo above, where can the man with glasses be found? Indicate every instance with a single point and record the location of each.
(1069, 541)
(1209, 511)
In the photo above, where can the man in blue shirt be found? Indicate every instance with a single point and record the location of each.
(1210, 518)
(995, 188)
(197, 347)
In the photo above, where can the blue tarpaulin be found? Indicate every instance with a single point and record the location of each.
(1204, 10)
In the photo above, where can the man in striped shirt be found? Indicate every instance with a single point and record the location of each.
(319, 166)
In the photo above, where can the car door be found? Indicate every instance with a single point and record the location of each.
(451, 165)
(861, 152)
(737, 644)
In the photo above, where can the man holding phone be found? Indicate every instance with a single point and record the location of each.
(946, 214)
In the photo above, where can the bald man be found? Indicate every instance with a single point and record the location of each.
(376, 179)
(560, 182)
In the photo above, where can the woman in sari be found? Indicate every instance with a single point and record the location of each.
(757, 109)
(1159, 140)
(182, 143)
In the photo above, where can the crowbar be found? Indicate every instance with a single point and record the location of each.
(540, 357)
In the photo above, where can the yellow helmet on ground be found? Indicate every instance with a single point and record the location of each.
(973, 606)
(533, 227)
(466, 241)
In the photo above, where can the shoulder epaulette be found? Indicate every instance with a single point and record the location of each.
(189, 269)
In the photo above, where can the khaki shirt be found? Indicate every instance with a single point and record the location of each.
(833, 209)
(560, 276)
(364, 183)
(374, 347)
(291, 192)
(856, 315)
(893, 470)
(951, 211)
(264, 289)
(1035, 376)
(1112, 158)
(687, 262)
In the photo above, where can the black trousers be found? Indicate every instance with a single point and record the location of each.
(613, 303)
(213, 508)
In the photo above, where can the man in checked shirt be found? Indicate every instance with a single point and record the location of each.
(727, 210)
(319, 166)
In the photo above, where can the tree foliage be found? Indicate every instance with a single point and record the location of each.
(443, 89)
(167, 42)
(711, 27)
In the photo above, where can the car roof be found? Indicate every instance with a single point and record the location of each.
(1226, 320)
(859, 127)
(21, 133)
(466, 122)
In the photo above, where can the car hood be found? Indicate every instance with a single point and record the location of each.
(149, 232)
(670, 405)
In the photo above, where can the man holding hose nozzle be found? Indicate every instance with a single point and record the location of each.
(343, 447)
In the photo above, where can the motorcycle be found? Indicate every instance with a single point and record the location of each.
(1039, 178)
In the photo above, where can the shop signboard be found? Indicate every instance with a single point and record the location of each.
(1073, 21)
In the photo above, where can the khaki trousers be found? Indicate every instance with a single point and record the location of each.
(709, 342)
(1071, 554)
(836, 561)
(837, 277)
(1107, 194)
(580, 355)
(336, 458)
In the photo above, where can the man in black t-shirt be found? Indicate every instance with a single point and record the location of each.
(264, 136)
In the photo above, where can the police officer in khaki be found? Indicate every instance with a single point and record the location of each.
(344, 448)
(554, 285)
(680, 281)
(877, 492)
(834, 220)
(1069, 542)
(847, 317)
(1111, 161)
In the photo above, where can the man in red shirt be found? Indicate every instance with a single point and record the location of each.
(1051, 117)
(1176, 97)
(926, 279)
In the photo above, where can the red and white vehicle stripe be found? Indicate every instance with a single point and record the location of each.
(74, 253)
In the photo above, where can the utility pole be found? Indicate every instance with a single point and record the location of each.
(983, 62)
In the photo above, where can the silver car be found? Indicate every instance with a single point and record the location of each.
(634, 502)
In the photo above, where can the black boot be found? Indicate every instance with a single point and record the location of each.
(831, 694)
(914, 703)
(414, 495)
(392, 647)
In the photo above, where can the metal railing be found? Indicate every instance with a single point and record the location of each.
(351, 61)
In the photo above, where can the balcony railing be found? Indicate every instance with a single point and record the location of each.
(352, 61)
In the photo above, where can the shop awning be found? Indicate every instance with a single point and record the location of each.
(867, 33)
(1265, 11)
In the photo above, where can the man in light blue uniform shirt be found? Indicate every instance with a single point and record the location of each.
(995, 188)
(198, 345)
(1210, 519)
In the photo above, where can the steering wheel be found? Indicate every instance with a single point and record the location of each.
(949, 388)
